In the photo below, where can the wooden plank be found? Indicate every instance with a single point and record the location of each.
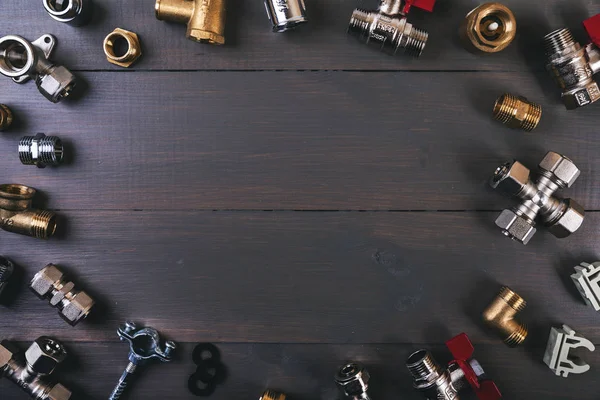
(314, 140)
(293, 277)
(322, 45)
(306, 371)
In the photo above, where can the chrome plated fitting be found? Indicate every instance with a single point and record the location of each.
(52, 285)
(557, 357)
(272, 395)
(17, 215)
(587, 281)
(286, 14)
(387, 28)
(574, 66)
(6, 270)
(22, 60)
(72, 12)
(500, 315)
(32, 370)
(6, 117)
(41, 150)
(562, 217)
(446, 384)
(353, 381)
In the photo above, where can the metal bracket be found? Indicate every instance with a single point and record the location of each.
(587, 280)
(561, 342)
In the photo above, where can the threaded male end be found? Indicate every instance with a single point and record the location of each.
(6, 117)
(423, 367)
(517, 112)
(41, 150)
(558, 41)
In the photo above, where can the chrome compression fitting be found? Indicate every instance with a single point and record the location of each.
(286, 14)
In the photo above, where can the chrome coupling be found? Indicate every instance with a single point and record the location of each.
(286, 14)
(388, 29)
(72, 12)
(41, 150)
(562, 217)
(23, 60)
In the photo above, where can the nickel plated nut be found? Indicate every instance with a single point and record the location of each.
(353, 381)
(6, 117)
(500, 315)
(18, 216)
(205, 19)
(517, 112)
(286, 14)
(123, 57)
(72, 12)
(489, 28)
(41, 150)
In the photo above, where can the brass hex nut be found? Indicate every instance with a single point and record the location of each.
(126, 56)
(489, 28)
(44, 355)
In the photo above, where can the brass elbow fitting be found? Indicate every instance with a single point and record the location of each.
(17, 216)
(272, 395)
(489, 28)
(205, 19)
(517, 112)
(500, 315)
(6, 117)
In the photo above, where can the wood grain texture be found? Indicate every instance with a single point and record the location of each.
(323, 44)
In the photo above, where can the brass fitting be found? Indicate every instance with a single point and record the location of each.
(272, 395)
(205, 19)
(126, 56)
(500, 315)
(17, 216)
(6, 117)
(489, 28)
(517, 112)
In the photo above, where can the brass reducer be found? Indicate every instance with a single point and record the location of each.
(489, 28)
(272, 395)
(17, 216)
(6, 117)
(205, 19)
(122, 48)
(517, 112)
(500, 315)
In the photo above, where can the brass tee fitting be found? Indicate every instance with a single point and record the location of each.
(489, 28)
(500, 315)
(6, 117)
(17, 216)
(205, 19)
(517, 112)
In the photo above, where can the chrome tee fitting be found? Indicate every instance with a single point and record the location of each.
(41, 150)
(500, 315)
(23, 60)
(17, 216)
(286, 14)
(32, 370)
(573, 66)
(353, 381)
(72, 12)
(437, 383)
(562, 217)
(388, 29)
(205, 19)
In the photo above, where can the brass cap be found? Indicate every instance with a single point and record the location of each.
(489, 28)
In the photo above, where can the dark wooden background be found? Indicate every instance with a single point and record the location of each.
(298, 199)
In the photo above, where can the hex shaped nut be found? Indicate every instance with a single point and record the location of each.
(353, 379)
(515, 226)
(561, 168)
(511, 178)
(7, 353)
(57, 84)
(131, 54)
(44, 281)
(570, 221)
(582, 96)
(44, 355)
(59, 392)
(78, 308)
(489, 28)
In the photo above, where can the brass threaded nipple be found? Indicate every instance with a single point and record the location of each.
(517, 337)
(517, 112)
(513, 299)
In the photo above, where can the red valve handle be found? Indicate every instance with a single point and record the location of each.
(426, 5)
(462, 350)
(592, 26)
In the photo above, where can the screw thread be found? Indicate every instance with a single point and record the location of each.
(557, 41)
(422, 365)
(272, 395)
(508, 110)
(513, 299)
(415, 42)
(123, 381)
(6, 117)
(359, 22)
(48, 151)
(43, 224)
(517, 337)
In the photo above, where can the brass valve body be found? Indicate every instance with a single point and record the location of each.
(6, 117)
(500, 315)
(17, 216)
(489, 28)
(272, 395)
(132, 52)
(205, 19)
(517, 112)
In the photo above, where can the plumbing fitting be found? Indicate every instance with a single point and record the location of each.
(560, 343)
(463, 372)
(41, 150)
(127, 55)
(353, 381)
(562, 217)
(144, 345)
(500, 315)
(388, 28)
(52, 285)
(6, 270)
(574, 66)
(32, 370)
(489, 28)
(286, 14)
(517, 112)
(272, 395)
(6, 117)
(587, 281)
(72, 12)
(23, 60)
(17, 216)
(205, 19)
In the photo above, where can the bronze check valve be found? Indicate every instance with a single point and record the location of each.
(17, 215)
(500, 315)
(205, 19)
(489, 28)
